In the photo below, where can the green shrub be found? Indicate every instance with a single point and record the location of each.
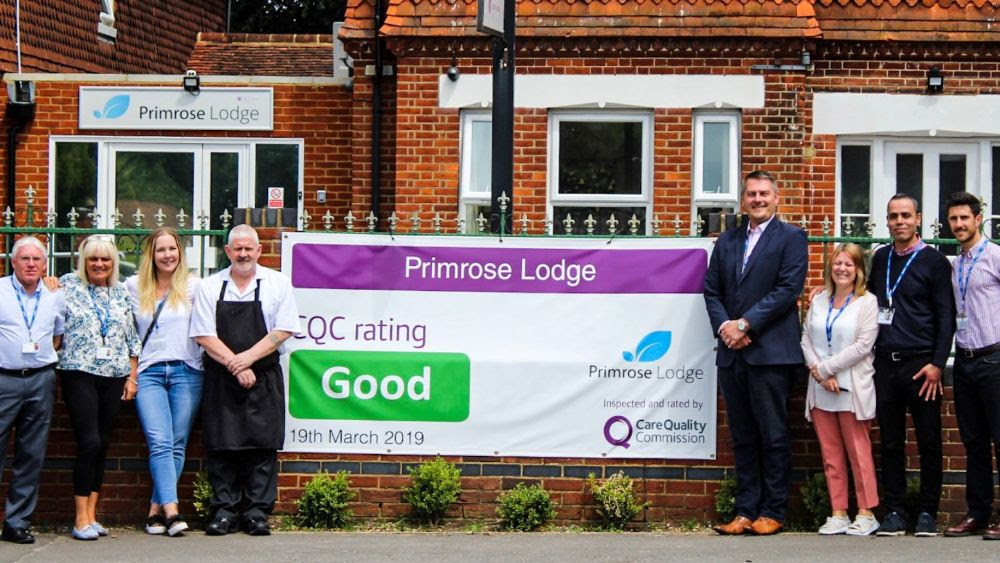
(816, 498)
(725, 498)
(615, 499)
(434, 488)
(525, 508)
(324, 502)
(203, 497)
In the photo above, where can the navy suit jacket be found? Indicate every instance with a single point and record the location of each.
(766, 294)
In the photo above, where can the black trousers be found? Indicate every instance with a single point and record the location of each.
(757, 412)
(93, 403)
(244, 482)
(977, 408)
(895, 392)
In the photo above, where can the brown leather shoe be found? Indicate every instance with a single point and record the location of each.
(966, 527)
(992, 533)
(765, 526)
(739, 526)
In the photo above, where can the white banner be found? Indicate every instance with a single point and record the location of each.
(526, 347)
(172, 108)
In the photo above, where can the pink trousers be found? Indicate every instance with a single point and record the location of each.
(838, 431)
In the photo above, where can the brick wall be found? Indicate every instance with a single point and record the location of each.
(421, 166)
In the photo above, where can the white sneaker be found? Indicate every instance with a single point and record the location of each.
(863, 526)
(834, 525)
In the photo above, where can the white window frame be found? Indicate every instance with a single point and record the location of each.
(838, 186)
(469, 200)
(106, 21)
(642, 199)
(104, 178)
(711, 199)
(880, 181)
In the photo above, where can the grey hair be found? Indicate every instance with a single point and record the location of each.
(243, 231)
(27, 240)
(91, 246)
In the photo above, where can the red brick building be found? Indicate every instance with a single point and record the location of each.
(673, 101)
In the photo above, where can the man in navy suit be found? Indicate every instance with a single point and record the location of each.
(751, 290)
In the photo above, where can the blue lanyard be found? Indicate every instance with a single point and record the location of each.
(829, 323)
(24, 314)
(105, 319)
(963, 282)
(891, 289)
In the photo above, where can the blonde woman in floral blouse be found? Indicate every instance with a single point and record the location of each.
(98, 369)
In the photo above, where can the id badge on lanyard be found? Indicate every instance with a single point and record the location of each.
(885, 315)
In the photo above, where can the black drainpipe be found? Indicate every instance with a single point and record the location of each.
(12, 133)
(377, 113)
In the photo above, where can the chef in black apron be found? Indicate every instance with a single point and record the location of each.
(241, 317)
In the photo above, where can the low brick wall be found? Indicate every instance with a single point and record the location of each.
(676, 490)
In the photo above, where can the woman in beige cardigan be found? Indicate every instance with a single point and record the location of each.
(837, 342)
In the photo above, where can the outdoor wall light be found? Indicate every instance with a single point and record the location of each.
(935, 81)
(453, 72)
(806, 58)
(191, 82)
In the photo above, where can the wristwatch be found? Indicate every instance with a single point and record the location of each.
(741, 325)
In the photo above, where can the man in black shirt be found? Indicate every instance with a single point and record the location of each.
(917, 322)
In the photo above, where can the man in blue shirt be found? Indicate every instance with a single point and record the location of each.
(31, 327)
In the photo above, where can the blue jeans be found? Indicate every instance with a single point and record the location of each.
(168, 398)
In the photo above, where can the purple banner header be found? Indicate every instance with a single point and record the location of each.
(508, 270)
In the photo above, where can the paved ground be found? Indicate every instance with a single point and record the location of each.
(285, 547)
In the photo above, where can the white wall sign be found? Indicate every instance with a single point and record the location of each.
(533, 347)
(490, 16)
(169, 108)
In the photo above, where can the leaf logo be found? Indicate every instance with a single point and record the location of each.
(652, 347)
(116, 106)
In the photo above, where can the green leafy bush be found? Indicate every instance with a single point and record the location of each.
(615, 499)
(816, 498)
(324, 502)
(725, 498)
(434, 488)
(525, 508)
(203, 497)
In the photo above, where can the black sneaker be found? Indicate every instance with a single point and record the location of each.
(257, 527)
(155, 525)
(926, 526)
(175, 525)
(893, 525)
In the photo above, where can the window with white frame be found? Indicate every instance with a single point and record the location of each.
(855, 189)
(106, 21)
(715, 166)
(476, 167)
(103, 181)
(599, 169)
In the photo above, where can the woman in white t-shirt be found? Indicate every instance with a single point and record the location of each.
(170, 369)
(837, 342)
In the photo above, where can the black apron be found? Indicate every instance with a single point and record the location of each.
(235, 418)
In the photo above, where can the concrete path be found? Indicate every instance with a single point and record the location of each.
(286, 547)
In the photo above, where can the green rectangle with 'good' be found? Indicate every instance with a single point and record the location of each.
(404, 386)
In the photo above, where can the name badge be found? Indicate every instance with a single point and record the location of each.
(885, 315)
(104, 353)
(29, 348)
(962, 322)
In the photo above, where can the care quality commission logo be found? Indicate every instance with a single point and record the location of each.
(618, 431)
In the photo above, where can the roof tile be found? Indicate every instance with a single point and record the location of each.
(245, 54)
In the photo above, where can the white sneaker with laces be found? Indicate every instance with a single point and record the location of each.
(863, 526)
(834, 525)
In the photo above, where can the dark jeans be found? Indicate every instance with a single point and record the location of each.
(977, 408)
(243, 481)
(895, 392)
(757, 412)
(93, 402)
